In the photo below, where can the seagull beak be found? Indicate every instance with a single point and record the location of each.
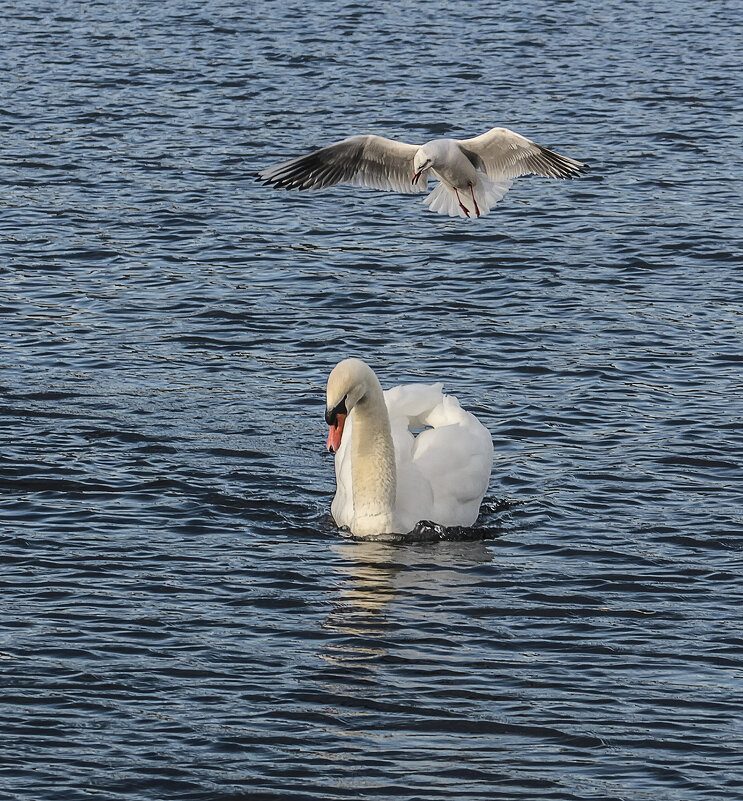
(335, 433)
(415, 178)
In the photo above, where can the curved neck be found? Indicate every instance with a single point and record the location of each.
(373, 465)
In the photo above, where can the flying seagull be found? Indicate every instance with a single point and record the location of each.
(473, 174)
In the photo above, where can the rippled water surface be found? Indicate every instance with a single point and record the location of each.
(180, 619)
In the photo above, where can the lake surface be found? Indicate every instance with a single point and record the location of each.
(180, 618)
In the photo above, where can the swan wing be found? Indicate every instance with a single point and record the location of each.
(502, 154)
(457, 460)
(364, 160)
(444, 471)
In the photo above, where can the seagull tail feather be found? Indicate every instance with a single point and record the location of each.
(443, 198)
(488, 193)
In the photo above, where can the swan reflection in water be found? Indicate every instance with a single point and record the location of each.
(422, 582)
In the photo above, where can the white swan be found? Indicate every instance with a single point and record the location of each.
(387, 479)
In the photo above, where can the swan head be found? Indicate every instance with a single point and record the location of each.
(348, 383)
(422, 161)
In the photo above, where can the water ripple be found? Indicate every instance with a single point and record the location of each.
(181, 619)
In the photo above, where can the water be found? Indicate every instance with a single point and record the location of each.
(180, 619)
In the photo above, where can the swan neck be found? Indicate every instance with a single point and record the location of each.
(373, 466)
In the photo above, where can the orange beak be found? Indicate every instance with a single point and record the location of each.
(335, 433)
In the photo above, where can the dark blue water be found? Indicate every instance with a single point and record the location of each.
(180, 620)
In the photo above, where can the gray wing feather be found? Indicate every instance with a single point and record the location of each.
(364, 160)
(502, 153)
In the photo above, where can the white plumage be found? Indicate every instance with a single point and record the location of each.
(440, 475)
(474, 174)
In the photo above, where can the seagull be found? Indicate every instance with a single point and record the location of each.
(473, 174)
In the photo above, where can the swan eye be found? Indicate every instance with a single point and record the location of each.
(331, 415)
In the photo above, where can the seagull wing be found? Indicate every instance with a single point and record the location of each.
(504, 154)
(364, 160)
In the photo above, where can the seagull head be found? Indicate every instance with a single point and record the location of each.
(422, 161)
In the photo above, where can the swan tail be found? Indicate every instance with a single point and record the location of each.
(443, 199)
